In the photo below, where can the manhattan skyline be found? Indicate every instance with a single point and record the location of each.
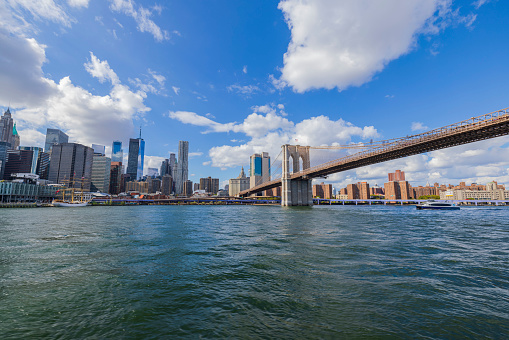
(233, 79)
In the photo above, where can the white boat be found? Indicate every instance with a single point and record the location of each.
(68, 204)
(434, 205)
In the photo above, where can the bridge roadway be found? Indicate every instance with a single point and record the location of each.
(475, 129)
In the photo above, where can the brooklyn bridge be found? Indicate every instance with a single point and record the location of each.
(296, 183)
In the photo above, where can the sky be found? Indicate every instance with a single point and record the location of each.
(237, 77)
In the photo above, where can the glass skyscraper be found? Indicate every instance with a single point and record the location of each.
(117, 155)
(54, 136)
(136, 158)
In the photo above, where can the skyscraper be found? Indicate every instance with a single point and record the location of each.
(54, 136)
(40, 161)
(8, 132)
(71, 164)
(101, 168)
(99, 149)
(115, 177)
(4, 146)
(18, 161)
(259, 171)
(117, 155)
(136, 158)
(182, 167)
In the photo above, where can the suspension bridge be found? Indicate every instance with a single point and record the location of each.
(296, 183)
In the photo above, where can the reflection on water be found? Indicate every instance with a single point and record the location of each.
(254, 272)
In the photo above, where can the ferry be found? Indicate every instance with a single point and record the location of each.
(437, 205)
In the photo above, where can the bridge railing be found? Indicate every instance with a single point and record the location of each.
(395, 144)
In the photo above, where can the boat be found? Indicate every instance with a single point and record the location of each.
(434, 205)
(70, 199)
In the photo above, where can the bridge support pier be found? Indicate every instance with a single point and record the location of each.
(296, 192)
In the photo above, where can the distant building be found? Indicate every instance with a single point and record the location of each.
(99, 149)
(196, 186)
(397, 176)
(117, 154)
(54, 136)
(236, 185)
(115, 178)
(4, 146)
(274, 192)
(259, 171)
(19, 161)
(101, 171)
(322, 190)
(141, 187)
(182, 167)
(8, 132)
(360, 190)
(152, 172)
(40, 161)
(210, 185)
(154, 185)
(71, 164)
(188, 188)
(136, 158)
(166, 185)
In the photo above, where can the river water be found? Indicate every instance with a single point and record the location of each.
(258, 272)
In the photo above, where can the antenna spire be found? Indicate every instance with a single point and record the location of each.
(140, 131)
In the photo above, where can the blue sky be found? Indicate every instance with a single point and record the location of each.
(238, 77)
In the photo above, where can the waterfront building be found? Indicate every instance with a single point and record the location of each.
(196, 186)
(376, 190)
(101, 170)
(210, 185)
(8, 132)
(117, 155)
(259, 171)
(19, 161)
(188, 188)
(54, 136)
(71, 164)
(359, 190)
(182, 167)
(274, 192)
(26, 192)
(124, 178)
(136, 186)
(115, 178)
(136, 158)
(236, 185)
(322, 190)
(166, 185)
(494, 193)
(154, 185)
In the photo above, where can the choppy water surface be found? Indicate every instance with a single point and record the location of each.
(254, 272)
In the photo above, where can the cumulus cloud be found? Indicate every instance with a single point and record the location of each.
(142, 17)
(78, 3)
(269, 130)
(338, 44)
(87, 118)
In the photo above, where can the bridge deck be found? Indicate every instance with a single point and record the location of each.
(487, 126)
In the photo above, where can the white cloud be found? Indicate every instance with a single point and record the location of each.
(151, 162)
(78, 3)
(159, 78)
(87, 118)
(268, 131)
(244, 69)
(142, 17)
(176, 90)
(244, 90)
(101, 70)
(418, 126)
(13, 14)
(479, 3)
(195, 154)
(31, 137)
(338, 44)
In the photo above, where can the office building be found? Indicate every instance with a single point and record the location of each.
(99, 149)
(101, 170)
(165, 167)
(166, 185)
(188, 188)
(236, 185)
(136, 186)
(54, 136)
(71, 164)
(4, 146)
(196, 187)
(117, 154)
(19, 161)
(259, 171)
(209, 185)
(397, 176)
(136, 158)
(182, 167)
(8, 132)
(115, 178)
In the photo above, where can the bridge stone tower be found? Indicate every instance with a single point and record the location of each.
(296, 192)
